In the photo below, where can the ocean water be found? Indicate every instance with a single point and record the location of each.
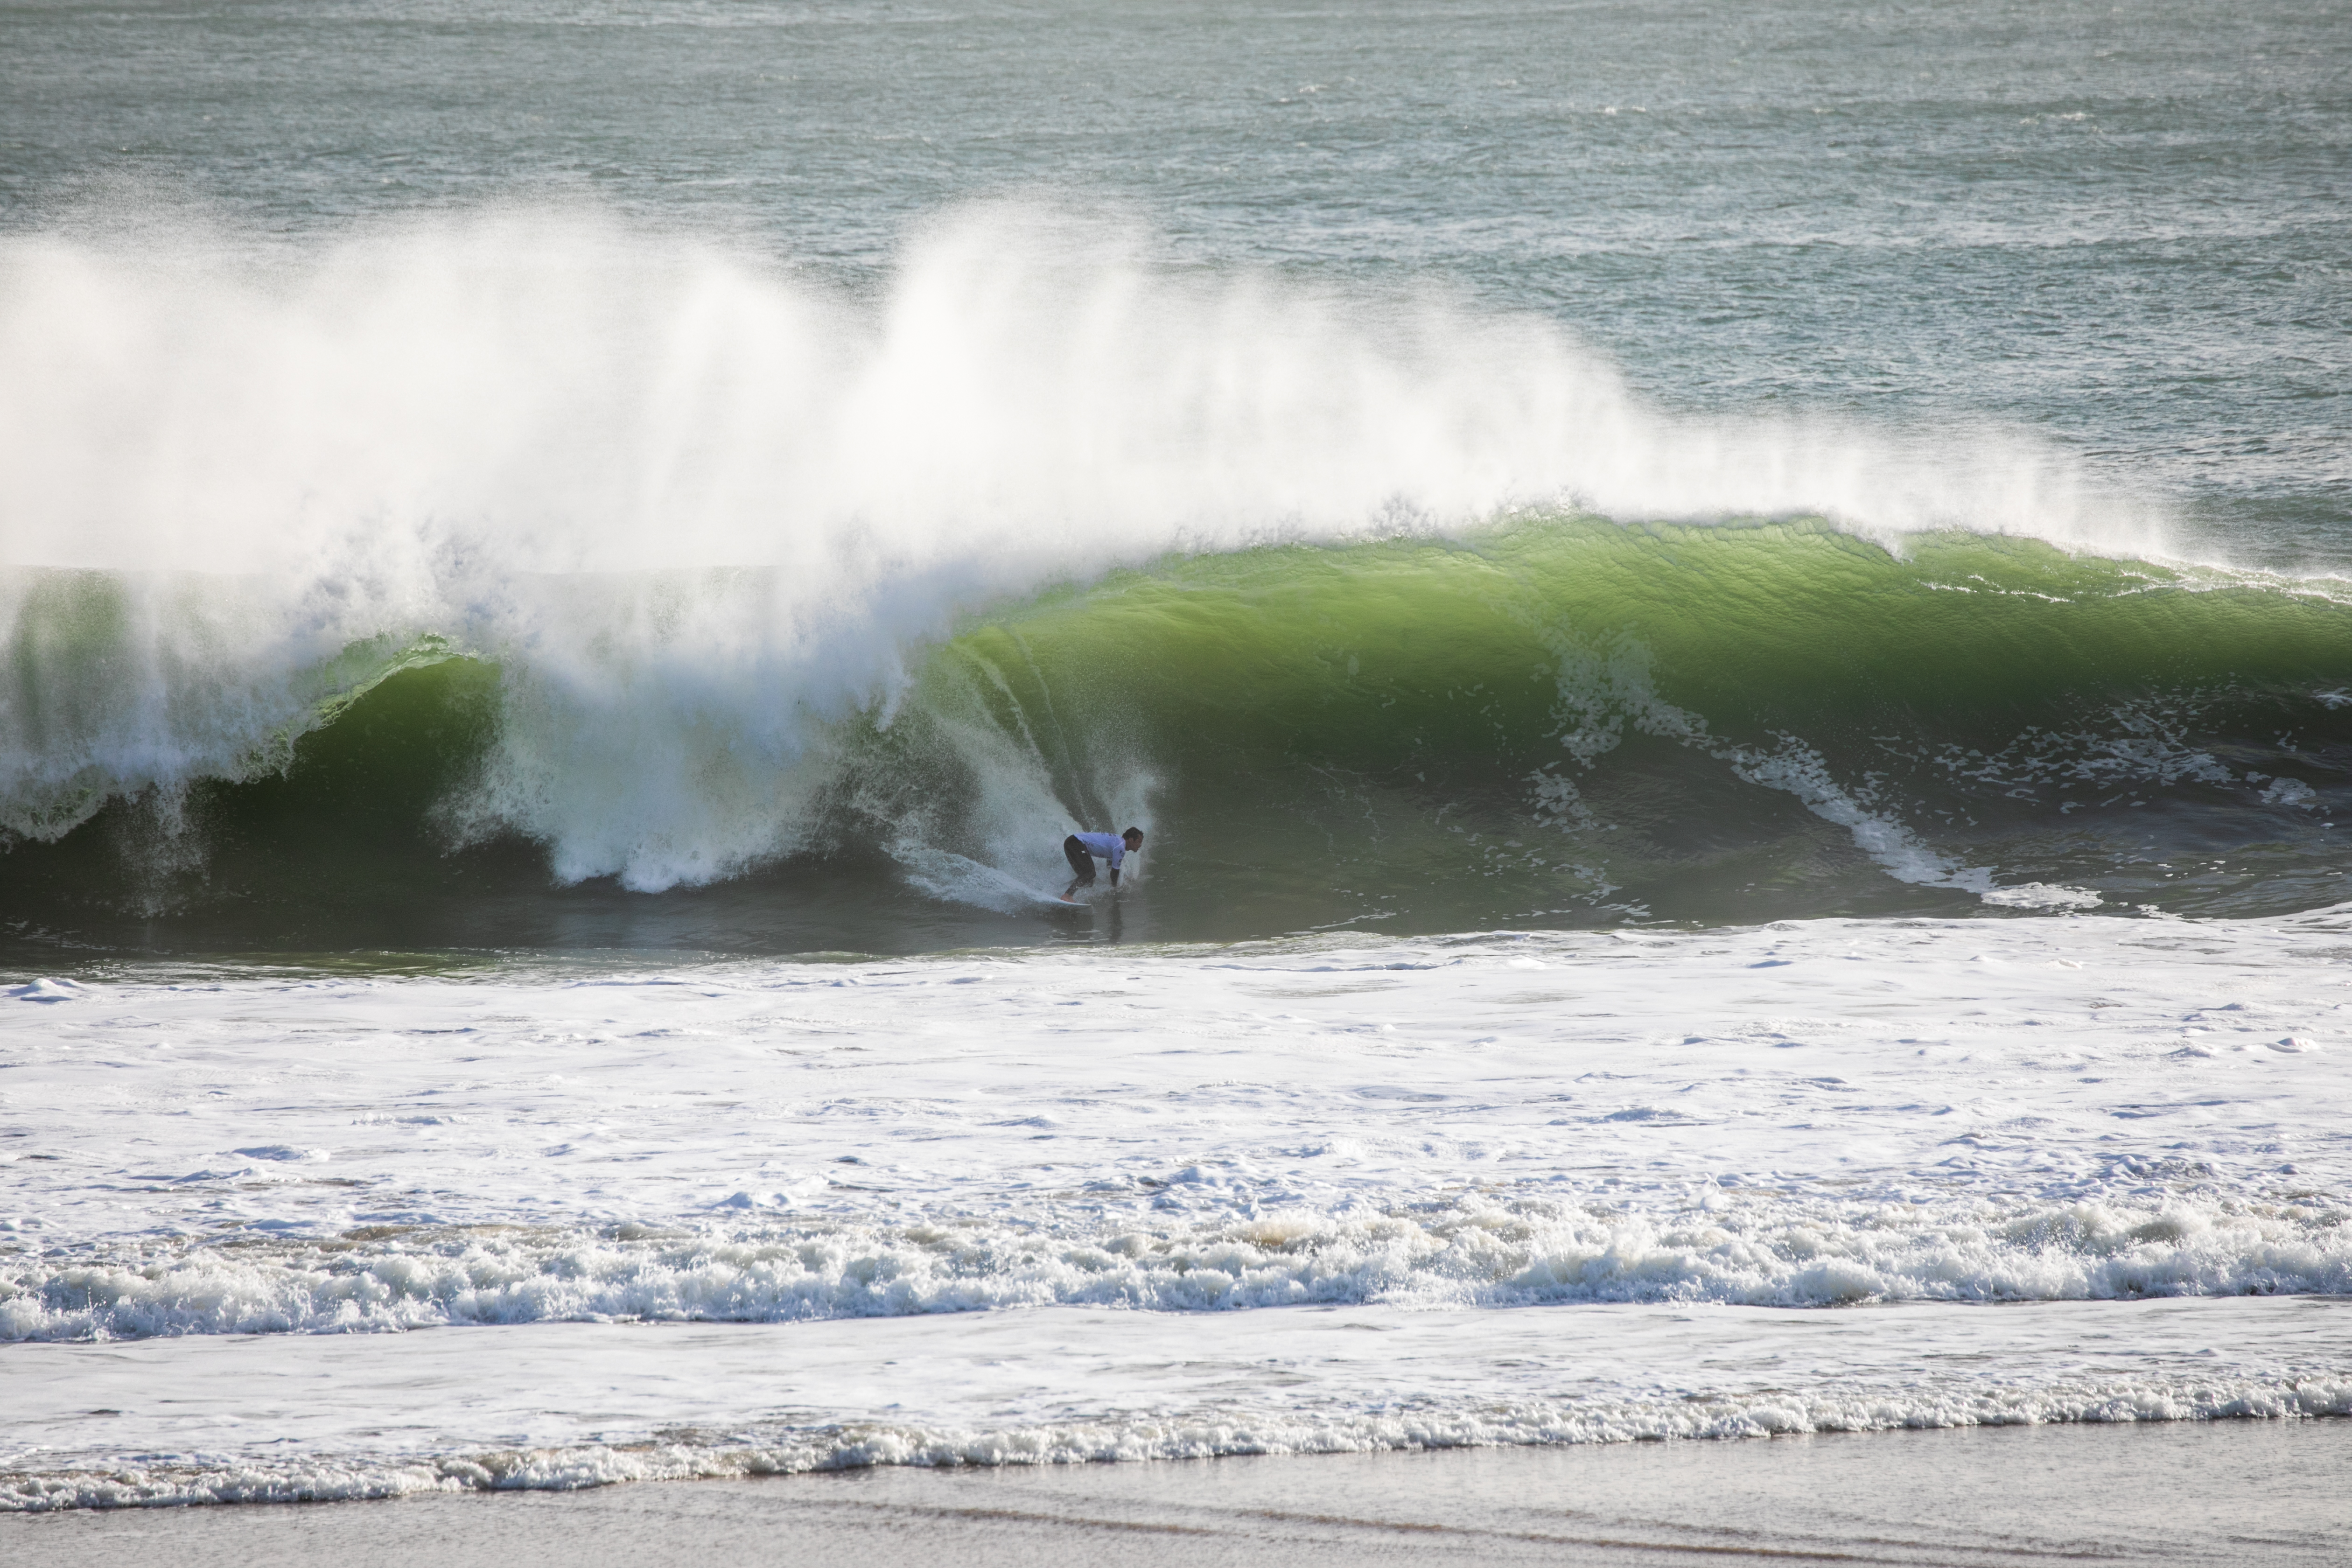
(1732, 632)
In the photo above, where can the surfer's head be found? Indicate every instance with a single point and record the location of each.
(1133, 838)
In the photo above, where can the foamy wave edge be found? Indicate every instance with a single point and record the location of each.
(1476, 1254)
(1209, 1434)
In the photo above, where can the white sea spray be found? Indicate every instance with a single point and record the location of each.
(700, 507)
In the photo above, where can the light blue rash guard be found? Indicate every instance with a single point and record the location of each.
(1109, 846)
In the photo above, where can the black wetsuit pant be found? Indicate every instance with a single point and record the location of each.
(1080, 859)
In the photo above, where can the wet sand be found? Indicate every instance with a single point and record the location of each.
(2238, 1492)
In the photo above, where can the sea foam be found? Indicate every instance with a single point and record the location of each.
(1423, 1251)
(558, 1409)
(1804, 1115)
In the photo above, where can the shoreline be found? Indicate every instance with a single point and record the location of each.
(2240, 1491)
(299, 1418)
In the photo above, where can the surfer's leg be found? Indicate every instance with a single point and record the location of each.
(1080, 861)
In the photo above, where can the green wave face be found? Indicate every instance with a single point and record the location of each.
(1572, 720)
(1559, 721)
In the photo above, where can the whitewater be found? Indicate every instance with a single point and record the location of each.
(1948, 1131)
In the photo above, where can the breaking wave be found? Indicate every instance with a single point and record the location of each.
(525, 551)
(1482, 1254)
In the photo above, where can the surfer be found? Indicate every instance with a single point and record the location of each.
(1080, 850)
